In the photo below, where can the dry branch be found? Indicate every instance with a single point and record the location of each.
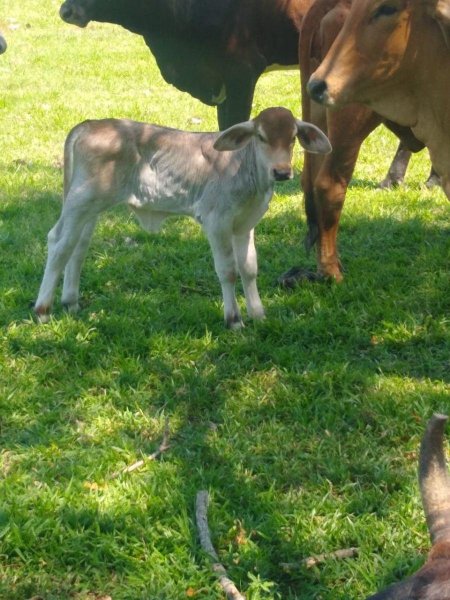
(311, 561)
(164, 445)
(201, 513)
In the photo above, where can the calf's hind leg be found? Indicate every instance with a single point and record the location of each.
(72, 272)
(63, 239)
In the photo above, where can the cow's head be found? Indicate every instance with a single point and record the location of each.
(372, 51)
(274, 132)
(78, 12)
(3, 45)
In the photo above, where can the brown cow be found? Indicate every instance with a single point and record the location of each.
(392, 56)
(325, 179)
(432, 581)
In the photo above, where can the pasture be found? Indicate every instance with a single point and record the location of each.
(304, 428)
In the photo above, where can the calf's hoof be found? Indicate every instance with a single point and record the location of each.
(42, 314)
(234, 322)
(71, 307)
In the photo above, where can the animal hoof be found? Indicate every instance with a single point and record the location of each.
(234, 323)
(297, 275)
(72, 308)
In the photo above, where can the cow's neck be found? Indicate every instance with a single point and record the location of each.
(432, 85)
(418, 96)
(135, 15)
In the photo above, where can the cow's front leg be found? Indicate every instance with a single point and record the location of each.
(245, 253)
(240, 88)
(225, 265)
(347, 129)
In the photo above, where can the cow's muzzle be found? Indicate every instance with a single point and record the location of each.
(318, 90)
(73, 15)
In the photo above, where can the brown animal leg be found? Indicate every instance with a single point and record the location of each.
(347, 129)
(325, 181)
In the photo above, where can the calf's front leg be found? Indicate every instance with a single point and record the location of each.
(245, 254)
(225, 265)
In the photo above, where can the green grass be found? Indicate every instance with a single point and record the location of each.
(304, 428)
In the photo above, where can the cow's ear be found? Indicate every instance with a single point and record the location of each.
(235, 137)
(312, 138)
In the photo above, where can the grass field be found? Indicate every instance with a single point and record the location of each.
(304, 428)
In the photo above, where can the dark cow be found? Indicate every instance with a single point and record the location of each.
(3, 45)
(432, 581)
(213, 49)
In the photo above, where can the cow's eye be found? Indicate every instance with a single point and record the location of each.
(261, 138)
(385, 10)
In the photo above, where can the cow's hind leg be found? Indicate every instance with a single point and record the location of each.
(245, 253)
(72, 272)
(397, 170)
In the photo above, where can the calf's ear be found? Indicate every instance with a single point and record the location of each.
(235, 137)
(312, 138)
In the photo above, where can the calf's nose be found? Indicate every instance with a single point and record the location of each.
(282, 173)
(317, 89)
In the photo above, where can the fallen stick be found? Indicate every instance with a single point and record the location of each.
(201, 514)
(311, 561)
(164, 445)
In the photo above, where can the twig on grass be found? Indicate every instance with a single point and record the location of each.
(164, 445)
(201, 514)
(311, 561)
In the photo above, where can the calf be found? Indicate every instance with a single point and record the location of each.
(432, 581)
(223, 180)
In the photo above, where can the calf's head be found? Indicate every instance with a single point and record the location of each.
(273, 133)
(372, 50)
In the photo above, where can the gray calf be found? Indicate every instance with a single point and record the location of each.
(223, 180)
(432, 581)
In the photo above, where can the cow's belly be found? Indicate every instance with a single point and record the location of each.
(277, 67)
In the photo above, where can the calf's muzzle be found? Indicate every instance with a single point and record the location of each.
(282, 173)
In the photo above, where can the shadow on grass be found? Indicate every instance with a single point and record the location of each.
(300, 426)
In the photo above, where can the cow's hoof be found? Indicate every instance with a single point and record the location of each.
(297, 275)
(433, 181)
(388, 183)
